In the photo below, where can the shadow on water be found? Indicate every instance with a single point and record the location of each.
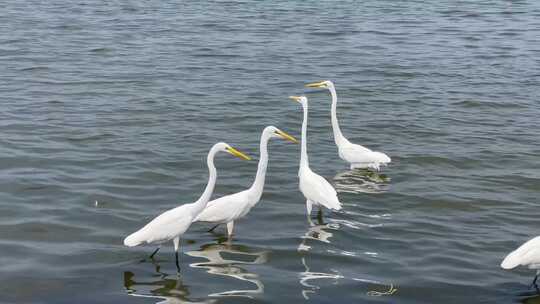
(361, 181)
(223, 260)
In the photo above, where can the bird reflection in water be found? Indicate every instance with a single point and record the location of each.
(168, 290)
(319, 233)
(223, 260)
(322, 232)
(361, 181)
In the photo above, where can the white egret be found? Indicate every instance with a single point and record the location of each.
(358, 156)
(315, 188)
(527, 255)
(172, 224)
(227, 209)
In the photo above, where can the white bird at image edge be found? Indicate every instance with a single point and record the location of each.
(527, 255)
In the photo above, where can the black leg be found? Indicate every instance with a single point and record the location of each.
(212, 229)
(534, 282)
(177, 264)
(320, 216)
(154, 253)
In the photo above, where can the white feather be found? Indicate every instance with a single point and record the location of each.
(527, 255)
(164, 227)
(226, 209)
(361, 157)
(318, 190)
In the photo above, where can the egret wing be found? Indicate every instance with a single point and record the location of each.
(164, 227)
(358, 154)
(318, 190)
(224, 209)
(526, 254)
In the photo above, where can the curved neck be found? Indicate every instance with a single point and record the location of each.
(304, 162)
(338, 137)
(200, 204)
(258, 184)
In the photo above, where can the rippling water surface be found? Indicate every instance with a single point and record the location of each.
(118, 103)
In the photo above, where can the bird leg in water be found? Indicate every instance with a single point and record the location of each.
(212, 229)
(309, 206)
(176, 246)
(154, 253)
(177, 263)
(534, 282)
(230, 228)
(320, 216)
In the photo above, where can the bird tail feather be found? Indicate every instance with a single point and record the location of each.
(511, 261)
(134, 239)
(335, 205)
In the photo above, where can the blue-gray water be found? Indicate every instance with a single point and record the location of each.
(119, 101)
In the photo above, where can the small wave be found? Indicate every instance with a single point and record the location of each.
(90, 137)
(487, 104)
(35, 68)
(101, 50)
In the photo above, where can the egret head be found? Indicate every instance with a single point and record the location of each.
(301, 99)
(227, 148)
(327, 84)
(275, 132)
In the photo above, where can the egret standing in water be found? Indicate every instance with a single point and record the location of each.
(172, 224)
(315, 188)
(527, 255)
(358, 156)
(227, 209)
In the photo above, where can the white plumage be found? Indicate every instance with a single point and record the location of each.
(315, 188)
(361, 157)
(227, 209)
(172, 224)
(318, 190)
(356, 155)
(163, 228)
(527, 255)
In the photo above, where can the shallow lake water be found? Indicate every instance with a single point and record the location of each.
(109, 108)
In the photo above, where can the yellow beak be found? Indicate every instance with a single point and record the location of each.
(237, 153)
(286, 136)
(295, 98)
(315, 85)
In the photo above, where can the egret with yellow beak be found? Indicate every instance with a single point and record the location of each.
(227, 209)
(358, 156)
(315, 188)
(172, 224)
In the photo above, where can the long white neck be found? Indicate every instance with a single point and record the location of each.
(258, 184)
(200, 204)
(338, 137)
(304, 162)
